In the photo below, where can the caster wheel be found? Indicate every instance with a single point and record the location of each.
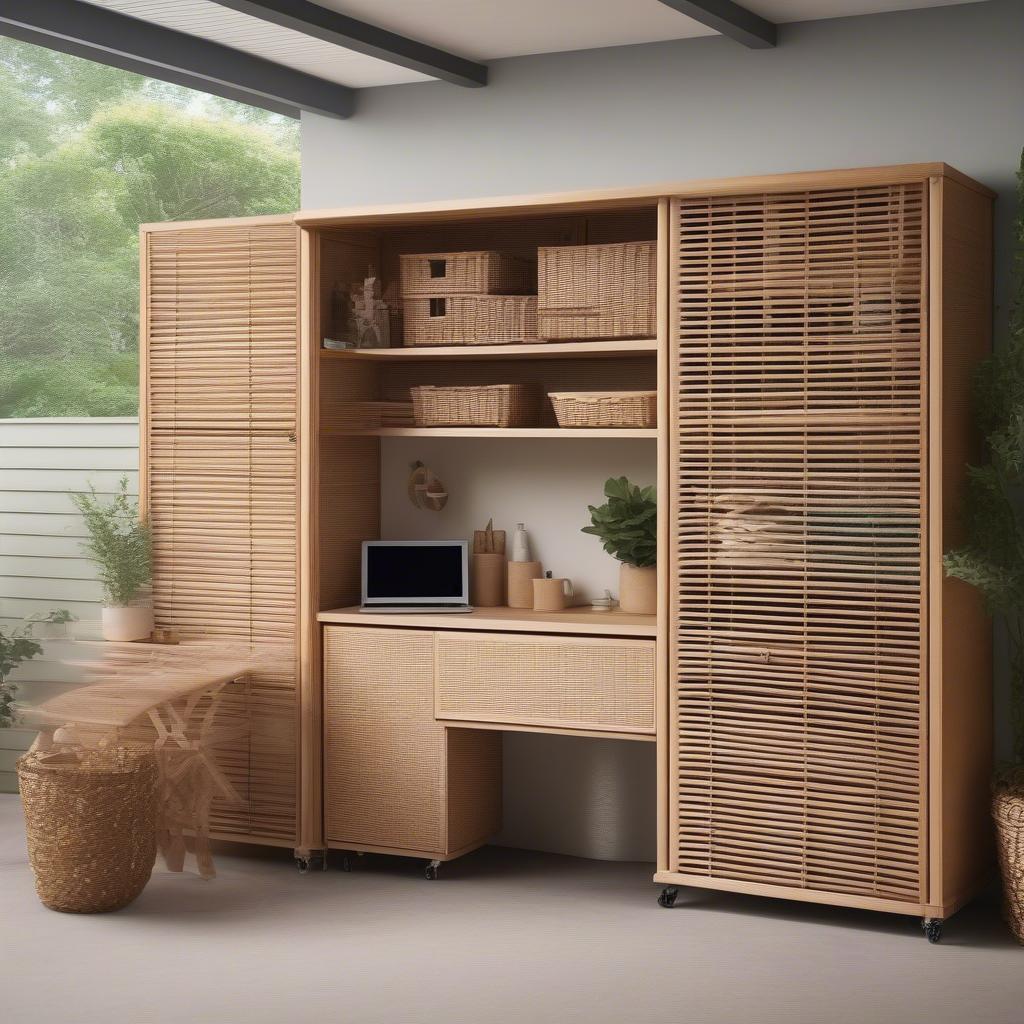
(430, 872)
(932, 929)
(667, 897)
(345, 863)
(302, 864)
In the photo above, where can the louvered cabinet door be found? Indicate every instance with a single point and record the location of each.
(796, 747)
(219, 433)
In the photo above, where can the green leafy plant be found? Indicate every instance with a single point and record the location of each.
(992, 556)
(56, 617)
(14, 649)
(119, 543)
(627, 523)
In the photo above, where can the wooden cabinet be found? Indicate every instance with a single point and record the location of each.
(219, 416)
(803, 545)
(394, 780)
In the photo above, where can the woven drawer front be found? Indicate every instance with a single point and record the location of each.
(384, 754)
(221, 322)
(797, 750)
(223, 509)
(452, 273)
(559, 682)
(597, 291)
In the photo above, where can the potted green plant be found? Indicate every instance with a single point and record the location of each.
(627, 525)
(120, 545)
(14, 649)
(992, 559)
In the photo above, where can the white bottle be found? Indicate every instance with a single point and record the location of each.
(520, 544)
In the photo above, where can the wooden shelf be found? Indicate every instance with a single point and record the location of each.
(582, 621)
(581, 434)
(610, 349)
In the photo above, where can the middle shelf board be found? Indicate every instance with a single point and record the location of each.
(610, 349)
(510, 433)
(582, 621)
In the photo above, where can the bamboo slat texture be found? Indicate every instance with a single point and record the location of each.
(221, 478)
(221, 324)
(797, 474)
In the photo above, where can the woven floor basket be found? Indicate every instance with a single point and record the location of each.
(490, 405)
(1008, 812)
(605, 408)
(90, 819)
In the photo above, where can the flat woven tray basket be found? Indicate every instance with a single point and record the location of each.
(490, 405)
(605, 408)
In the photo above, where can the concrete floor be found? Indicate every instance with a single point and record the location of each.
(503, 936)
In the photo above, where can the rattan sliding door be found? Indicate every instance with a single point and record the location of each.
(219, 414)
(796, 751)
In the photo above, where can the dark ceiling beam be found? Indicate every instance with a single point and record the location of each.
(98, 34)
(730, 20)
(322, 23)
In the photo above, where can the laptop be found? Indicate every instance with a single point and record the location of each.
(415, 576)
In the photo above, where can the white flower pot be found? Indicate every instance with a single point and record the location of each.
(124, 624)
(638, 589)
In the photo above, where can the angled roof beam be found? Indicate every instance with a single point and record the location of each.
(98, 34)
(322, 23)
(730, 19)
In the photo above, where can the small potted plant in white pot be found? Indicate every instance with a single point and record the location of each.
(120, 545)
(627, 525)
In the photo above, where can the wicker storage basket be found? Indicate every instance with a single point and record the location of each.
(597, 291)
(491, 405)
(1008, 812)
(472, 273)
(605, 408)
(90, 818)
(470, 320)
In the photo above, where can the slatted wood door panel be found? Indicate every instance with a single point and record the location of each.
(797, 748)
(224, 518)
(221, 320)
(221, 356)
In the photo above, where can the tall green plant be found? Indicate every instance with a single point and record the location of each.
(992, 557)
(119, 543)
(627, 523)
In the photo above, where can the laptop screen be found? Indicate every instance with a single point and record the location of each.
(415, 572)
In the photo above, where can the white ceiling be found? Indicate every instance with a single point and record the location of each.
(478, 29)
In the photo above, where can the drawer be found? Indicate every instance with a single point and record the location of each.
(592, 683)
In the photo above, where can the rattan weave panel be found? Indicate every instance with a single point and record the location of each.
(797, 468)
(384, 754)
(562, 682)
(221, 325)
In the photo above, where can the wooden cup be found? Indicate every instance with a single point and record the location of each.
(520, 583)
(487, 580)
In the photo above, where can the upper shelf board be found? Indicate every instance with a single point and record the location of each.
(611, 349)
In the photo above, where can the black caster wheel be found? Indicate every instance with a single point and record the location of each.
(345, 863)
(314, 862)
(303, 865)
(932, 929)
(430, 872)
(667, 897)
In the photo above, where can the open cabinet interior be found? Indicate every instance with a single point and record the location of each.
(538, 474)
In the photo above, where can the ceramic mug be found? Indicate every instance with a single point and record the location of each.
(552, 595)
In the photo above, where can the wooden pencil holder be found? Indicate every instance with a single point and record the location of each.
(487, 579)
(520, 583)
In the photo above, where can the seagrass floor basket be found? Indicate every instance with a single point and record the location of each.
(1008, 812)
(90, 822)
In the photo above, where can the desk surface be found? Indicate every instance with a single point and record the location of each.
(582, 621)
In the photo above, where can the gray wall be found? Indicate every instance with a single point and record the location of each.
(940, 84)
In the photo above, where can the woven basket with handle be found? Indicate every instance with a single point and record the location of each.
(91, 825)
(1008, 812)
